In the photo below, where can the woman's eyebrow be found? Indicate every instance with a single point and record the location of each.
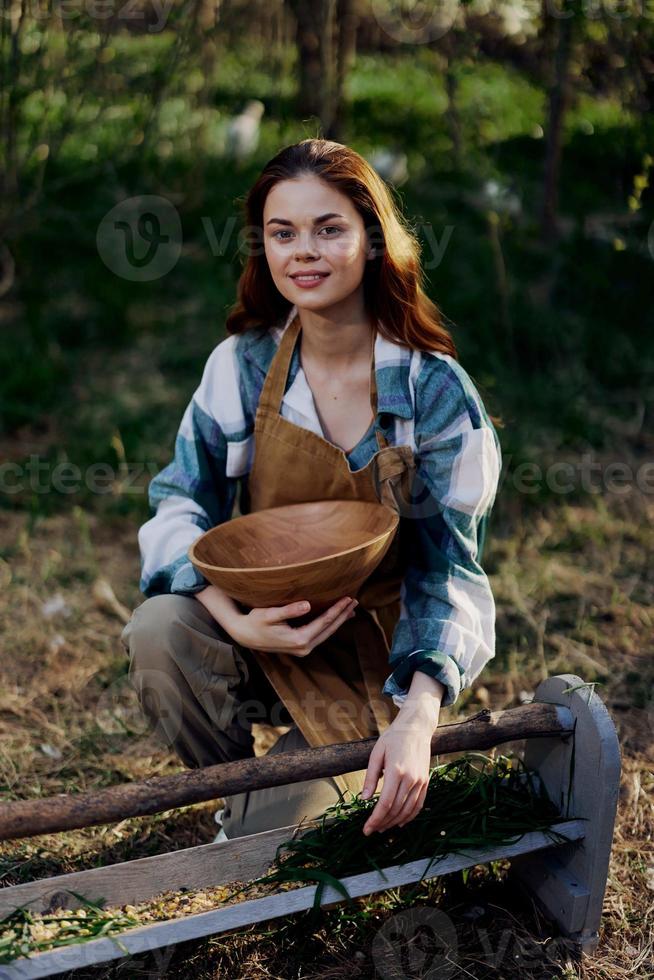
(322, 217)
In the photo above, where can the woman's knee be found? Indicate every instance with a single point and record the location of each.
(176, 652)
(148, 635)
(254, 811)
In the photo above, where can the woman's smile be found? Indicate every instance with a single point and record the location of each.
(309, 280)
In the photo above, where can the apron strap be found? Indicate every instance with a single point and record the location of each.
(382, 441)
(274, 387)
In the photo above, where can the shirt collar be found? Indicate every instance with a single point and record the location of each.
(392, 366)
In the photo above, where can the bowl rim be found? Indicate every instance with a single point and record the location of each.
(298, 564)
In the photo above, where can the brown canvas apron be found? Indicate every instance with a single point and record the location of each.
(347, 672)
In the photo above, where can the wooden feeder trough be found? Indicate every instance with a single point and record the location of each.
(565, 723)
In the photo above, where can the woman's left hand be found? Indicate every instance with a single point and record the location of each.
(403, 752)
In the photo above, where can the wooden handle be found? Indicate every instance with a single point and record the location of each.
(26, 818)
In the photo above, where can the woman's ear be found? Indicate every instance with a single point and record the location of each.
(375, 244)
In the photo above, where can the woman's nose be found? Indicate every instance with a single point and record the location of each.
(305, 246)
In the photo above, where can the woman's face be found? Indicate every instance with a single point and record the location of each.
(310, 227)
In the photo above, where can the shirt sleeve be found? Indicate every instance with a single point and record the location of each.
(193, 492)
(446, 627)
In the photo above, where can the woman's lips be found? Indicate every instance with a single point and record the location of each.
(308, 283)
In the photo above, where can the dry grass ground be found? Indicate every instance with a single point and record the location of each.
(574, 585)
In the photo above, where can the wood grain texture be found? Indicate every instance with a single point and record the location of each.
(139, 880)
(318, 551)
(26, 818)
(582, 777)
(217, 921)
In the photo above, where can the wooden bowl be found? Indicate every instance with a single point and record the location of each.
(318, 551)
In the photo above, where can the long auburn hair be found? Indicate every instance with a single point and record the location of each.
(392, 282)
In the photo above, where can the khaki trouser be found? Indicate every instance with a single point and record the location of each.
(201, 692)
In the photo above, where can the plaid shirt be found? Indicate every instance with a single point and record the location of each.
(426, 400)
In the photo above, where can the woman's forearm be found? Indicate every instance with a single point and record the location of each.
(222, 607)
(425, 693)
(424, 698)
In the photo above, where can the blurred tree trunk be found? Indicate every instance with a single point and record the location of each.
(326, 40)
(205, 17)
(546, 34)
(207, 13)
(453, 118)
(308, 37)
(558, 102)
(13, 22)
(327, 36)
(347, 22)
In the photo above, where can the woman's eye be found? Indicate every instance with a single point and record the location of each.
(330, 228)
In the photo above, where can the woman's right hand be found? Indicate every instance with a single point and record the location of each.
(268, 629)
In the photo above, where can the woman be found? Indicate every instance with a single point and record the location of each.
(337, 380)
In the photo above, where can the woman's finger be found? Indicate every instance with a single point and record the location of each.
(290, 639)
(420, 802)
(310, 632)
(332, 625)
(389, 819)
(317, 626)
(409, 807)
(384, 804)
(277, 614)
(375, 766)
